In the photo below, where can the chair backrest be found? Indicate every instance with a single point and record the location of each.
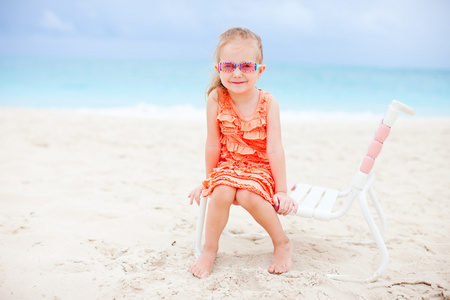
(380, 136)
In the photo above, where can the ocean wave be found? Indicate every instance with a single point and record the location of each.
(150, 111)
(189, 112)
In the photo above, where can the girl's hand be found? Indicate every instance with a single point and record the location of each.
(284, 203)
(195, 194)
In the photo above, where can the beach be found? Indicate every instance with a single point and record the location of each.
(96, 207)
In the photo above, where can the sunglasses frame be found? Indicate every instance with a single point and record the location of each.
(237, 66)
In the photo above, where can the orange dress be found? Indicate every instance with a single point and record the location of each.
(243, 162)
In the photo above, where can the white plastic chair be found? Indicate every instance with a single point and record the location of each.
(318, 202)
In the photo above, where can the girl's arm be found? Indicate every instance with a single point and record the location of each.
(212, 147)
(277, 161)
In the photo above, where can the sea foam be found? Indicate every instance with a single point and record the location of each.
(189, 112)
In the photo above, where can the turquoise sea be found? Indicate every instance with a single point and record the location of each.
(169, 88)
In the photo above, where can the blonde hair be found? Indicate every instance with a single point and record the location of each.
(226, 37)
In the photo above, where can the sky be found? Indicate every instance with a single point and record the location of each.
(385, 33)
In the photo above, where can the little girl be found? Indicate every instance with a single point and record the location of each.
(244, 155)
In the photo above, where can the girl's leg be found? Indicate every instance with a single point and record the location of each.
(263, 212)
(216, 220)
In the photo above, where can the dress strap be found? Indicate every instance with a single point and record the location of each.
(224, 98)
(265, 102)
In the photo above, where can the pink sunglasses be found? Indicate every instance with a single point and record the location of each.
(246, 67)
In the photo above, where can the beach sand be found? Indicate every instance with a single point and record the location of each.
(96, 207)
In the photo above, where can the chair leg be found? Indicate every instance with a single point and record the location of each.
(378, 240)
(381, 217)
(379, 210)
(199, 228)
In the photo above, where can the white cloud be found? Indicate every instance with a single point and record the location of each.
(292, 14)
(52, 22)
(267, 15)
(136, 18)
(330, 31)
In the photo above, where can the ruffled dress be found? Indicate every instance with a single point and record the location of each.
(243, 162)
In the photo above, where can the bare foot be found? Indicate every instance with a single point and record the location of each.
(202, 267)
(282, 258)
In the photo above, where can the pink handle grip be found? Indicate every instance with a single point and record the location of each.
(375, 148)
(382, 133)
(367, 165)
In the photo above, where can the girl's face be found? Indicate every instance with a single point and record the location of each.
(239, 51)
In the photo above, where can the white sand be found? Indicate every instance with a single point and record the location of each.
(96, 208)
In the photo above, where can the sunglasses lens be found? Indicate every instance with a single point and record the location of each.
(227, 67)
(248, 67)
(244, 67)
